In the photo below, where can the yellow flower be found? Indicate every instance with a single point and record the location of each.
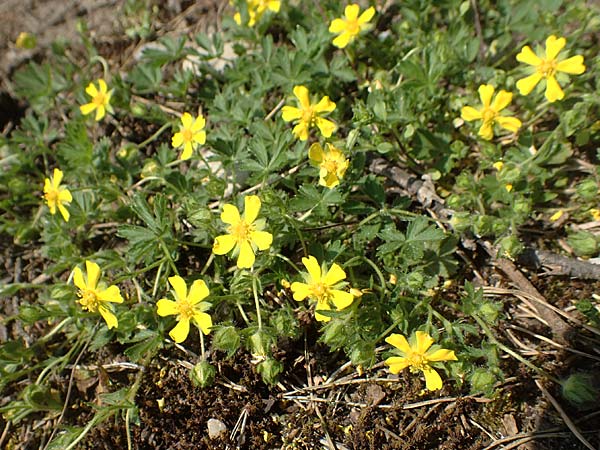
(55, 194)
(190, 135)
(100, 100)
(490, 112)
(498, 165)
(94, 296)
(417, 355)
(508, 187)
(244, 234)
(320, 286)
(256, 8)
(557, 215)
(351, 25)
(26, 41)
(187, 306)
(308, 114)
(595, 213)
(546, 68)
(332, 164)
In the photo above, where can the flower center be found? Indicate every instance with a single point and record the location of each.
(51, 197)
(547, 67)
(187, 135)
(417, 361)
(88, 300)
(488, 114)
(330, 165)
(352, 26)
(99, 99)
(241, 231)
(320, 291)
(186, 311)
(307, 115)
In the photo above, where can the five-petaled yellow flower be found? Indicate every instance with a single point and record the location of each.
(547, 67)
(187, 306)
(489, 114)
(245, 234)
(55, 194)
(323, 287)
(308, 114)
(94, 296)
(417, 355)
(100, 100)
(351, 25)
(256, 8)
(332, 164)
(190, 134)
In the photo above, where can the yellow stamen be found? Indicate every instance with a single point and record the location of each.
(99, 99)
(547, 68)
(88, 300)
(187, 135)
(186, 311)
(488, 114)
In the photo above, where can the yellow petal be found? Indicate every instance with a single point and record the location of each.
(300, 290)
(198, 291)
(246, 258)
(301, 131)
(320, 317)
(342, 40)
(108, 316)
(179, 287)
(324, 105)
(57, 177)
(177, 140)
(442, 355)
(93, 274)
(313, 267)
(262, 239)
(78, 279)
(351, 12)
(433, 382)
(289, 113)
(423, 342)
(510, 123)
(223, 244)
(100, 113)
(327, 127)
(366, 16)
(91, 90)
(251, 208)
(486, 91)
(469, 113)
(102, 85)
(315, 153)
(237, 17)
(64, 212)
(341, 299)
(573, 65)
(198, 124)
(398, 341)
(230, 214)
(166, 307)
(111, 294)
(527, 56)
(334, 275)
(65, 196)
(486, 131)
(397, 364)
(200, 137)
(186, 154)
(553, 46)
(502, 100)
(274, 5)
(301, 93)
(187, 120)
(203, 321)
(553, 90)
(526, 85)
(87, 108)
(337, 26)
(181, 331)
(48, 185)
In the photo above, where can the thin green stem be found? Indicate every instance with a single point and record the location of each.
(154, 136)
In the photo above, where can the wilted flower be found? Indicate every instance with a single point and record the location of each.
(489, 114)
(547, 68)
(323, 287)
(417, 355)
(94, 296)
(190, 135)
(244, 234)
(350, 25)
(308, 114)
(100, 100)
(55, 194)
(187, 306)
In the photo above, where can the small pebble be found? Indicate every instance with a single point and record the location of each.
(215, 428)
